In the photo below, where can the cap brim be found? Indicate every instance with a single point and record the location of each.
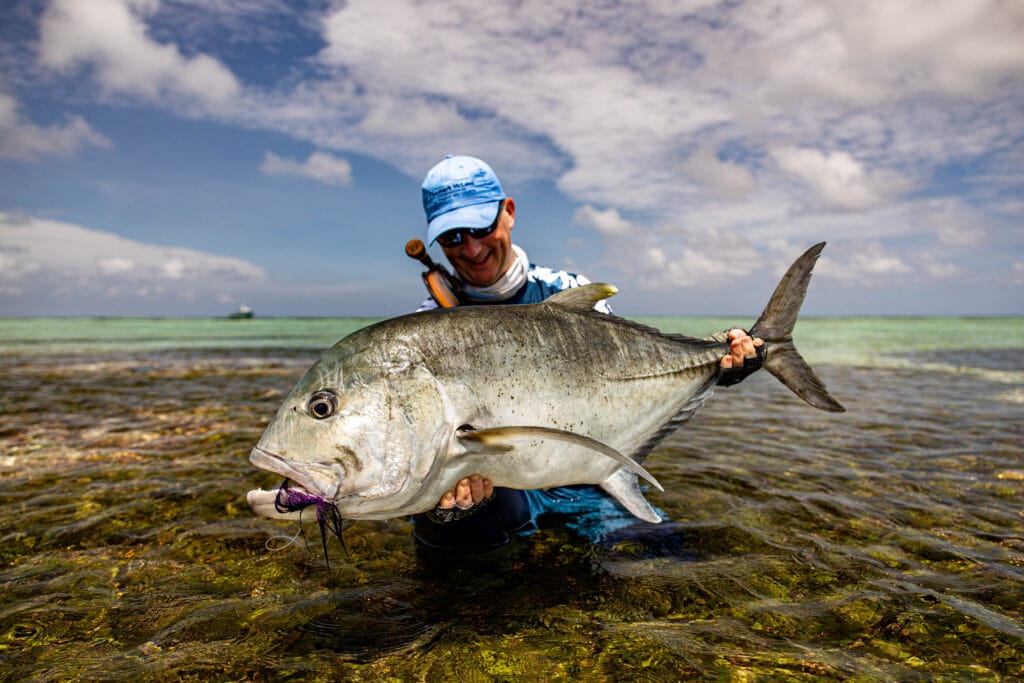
(475, 216)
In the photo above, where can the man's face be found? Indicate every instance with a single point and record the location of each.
(481, 262)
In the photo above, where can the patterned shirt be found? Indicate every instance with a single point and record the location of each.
(541, 282)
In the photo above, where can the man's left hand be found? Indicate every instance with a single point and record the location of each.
(745, 357)
(742, 346)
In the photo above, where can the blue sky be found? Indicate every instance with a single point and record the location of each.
(185, 157)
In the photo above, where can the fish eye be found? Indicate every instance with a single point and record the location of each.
(322, 405)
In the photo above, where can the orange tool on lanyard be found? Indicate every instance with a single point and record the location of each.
(440, 283)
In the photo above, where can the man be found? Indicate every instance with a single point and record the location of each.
(472, 219)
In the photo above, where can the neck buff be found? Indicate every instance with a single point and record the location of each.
(507, 285)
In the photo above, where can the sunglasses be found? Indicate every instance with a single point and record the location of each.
(454, 238)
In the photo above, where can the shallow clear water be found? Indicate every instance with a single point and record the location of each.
(881, 544)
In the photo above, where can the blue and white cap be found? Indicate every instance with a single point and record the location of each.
(460, 192)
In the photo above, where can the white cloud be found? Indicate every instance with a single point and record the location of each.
(606, 99)
(873, 51)
(116, 265)
(536, 72)
(173, 269)
(866, 264)
(687, 268)
(111, 36)
(951, 223)
(608, 222)
(1017, 273)
(48, 260)
(319, 166)
(722, 177)
(838, 179)
(706, 259)
(22, 139)
(935, 269)
(617, 95)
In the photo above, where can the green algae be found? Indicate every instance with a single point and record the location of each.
(822, 554)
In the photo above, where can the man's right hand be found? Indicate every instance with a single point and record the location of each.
(468, 491)
(469, 495)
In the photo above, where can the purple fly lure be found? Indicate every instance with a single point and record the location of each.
(327, 517)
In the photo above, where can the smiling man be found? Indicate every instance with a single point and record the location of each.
(471, 217)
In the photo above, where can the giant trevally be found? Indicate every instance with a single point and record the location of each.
(532, 396)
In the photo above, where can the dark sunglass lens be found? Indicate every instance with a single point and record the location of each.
(452, 238)
(480, 233)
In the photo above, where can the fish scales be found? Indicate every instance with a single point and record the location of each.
(587, 346)
(569, 351)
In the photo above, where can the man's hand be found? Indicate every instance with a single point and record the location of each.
(746, 355)
(742, 345)
(468, 496)
(469, 491)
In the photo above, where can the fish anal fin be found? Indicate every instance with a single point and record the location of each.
(623, 487)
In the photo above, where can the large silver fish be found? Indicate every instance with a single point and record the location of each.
(533, 396)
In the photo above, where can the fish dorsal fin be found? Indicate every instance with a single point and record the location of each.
(583, 297)
(501, 438)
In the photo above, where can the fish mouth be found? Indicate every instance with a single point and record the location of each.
(298, 491)
(305, 484)
(292, 497)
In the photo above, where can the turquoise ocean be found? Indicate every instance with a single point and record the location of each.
(884, 543)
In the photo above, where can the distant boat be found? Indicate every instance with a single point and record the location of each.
(243, 312)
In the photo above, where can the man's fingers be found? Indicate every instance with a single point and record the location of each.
(463, 493)
(748, 347)
(476, 488)
(481, 488)
(468, 491)
(740, 349)
(745, 356)
(741, 345)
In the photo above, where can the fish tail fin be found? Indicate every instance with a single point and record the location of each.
(775, 326)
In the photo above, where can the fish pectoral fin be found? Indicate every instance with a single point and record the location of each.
(583, 297)
(500, 438)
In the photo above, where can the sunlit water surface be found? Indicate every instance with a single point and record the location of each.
(886, 543)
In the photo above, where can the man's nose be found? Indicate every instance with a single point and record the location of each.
(471, 246)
